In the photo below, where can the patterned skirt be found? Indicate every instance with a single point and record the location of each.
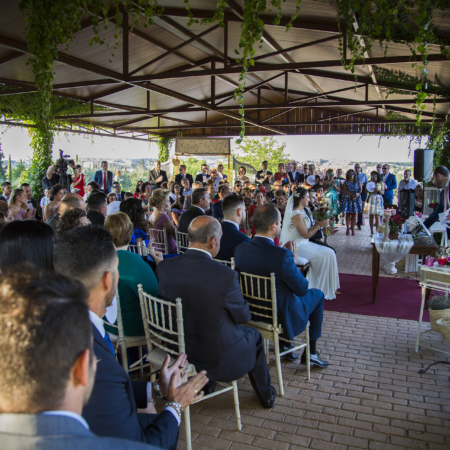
(375, 204)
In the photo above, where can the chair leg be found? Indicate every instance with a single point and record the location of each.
(187, 424)
(308, 366)
(278, 363)
(140, 358)
(236, 405)
(123, 353)
(266, 349)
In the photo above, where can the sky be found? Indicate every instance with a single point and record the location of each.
(15, 141)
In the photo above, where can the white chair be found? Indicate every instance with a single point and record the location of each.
(163, 325)
(158, 240)
(137, 248)
(122, 342)
(225, 263)
(182, 241)
(261, 296)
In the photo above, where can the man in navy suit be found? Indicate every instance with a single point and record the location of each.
(390, 180)
(293, 175)
(200, 204)
(234, 216)
(214, 311)
(104, 178)
(120, 195)
(183, 175)
(112, 408)
(441, 178)
(217, 208)
(295, 302)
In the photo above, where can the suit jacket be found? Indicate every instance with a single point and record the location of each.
(294, 176)
(199, 178)
(95, 217)
(391, 184)
(231, 238)
(152, 176)
(98, 178)
(120, 196)
(262, 257)
(54, 432)
(179, 177)
(187, 217)
(260, 175)
(217, 211)
(111, 410)
(434, 216)
(3, 198)
(213, 312)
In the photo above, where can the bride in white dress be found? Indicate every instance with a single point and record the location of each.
(323, 272)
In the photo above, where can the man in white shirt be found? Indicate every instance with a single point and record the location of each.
(407, 182)
(48, 371)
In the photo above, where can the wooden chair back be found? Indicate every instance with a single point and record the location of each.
(158, 240)
(182, 241)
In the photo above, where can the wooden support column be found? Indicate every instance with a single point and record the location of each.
(225, 44)
(125, 44)
(213, 85)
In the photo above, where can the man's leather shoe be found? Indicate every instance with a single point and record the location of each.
(314, 360)
(359, 228)
(269, 403)
(292, 357)
(210, 387)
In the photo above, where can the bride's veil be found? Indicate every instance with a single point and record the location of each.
(285, 234)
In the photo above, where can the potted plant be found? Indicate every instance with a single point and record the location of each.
(395, 225)
(439, 307)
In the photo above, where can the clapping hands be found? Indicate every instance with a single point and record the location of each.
(292, 246)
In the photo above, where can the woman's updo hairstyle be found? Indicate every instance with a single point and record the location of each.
(299, 194)
(158, 198)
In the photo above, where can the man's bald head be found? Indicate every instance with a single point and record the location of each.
(203, 229)
(71, 201)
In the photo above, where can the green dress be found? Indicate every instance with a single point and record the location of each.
(335, 201)
(133, 270)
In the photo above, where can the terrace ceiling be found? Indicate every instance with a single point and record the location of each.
(169, 77)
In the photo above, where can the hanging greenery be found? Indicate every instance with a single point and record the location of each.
(165, 143)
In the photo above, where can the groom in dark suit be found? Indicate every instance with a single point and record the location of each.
(295, 302)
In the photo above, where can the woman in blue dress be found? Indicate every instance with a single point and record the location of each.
(332, 191)
(351, 204)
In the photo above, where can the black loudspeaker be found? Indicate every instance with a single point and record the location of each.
(423, 164)
(406, 202)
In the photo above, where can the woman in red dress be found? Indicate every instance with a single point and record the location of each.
(281, 175)
(260, 200)
(80, 182)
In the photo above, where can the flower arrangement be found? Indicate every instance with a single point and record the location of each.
(323, 212)
(433, 206)
(396, 222)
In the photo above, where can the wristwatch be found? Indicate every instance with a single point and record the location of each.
(157, 390)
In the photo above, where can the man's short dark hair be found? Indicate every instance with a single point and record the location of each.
(198, 194)
(232, 202)
(104, 162)
(96, 200)
(45, 326)
(204, 165)
(85, 253)
(24, 185)
(115, 183)
(442, 170)
(6, 183)
(223, 187)
(265, 162)
(264, 217)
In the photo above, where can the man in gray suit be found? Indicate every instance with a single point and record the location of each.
(48, 365)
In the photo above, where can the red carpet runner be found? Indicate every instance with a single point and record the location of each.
(396, 297)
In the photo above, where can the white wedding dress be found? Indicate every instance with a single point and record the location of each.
(323, 271)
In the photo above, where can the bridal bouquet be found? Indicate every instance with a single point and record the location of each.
(323, 212)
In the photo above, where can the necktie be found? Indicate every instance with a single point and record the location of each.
(110, 345)
(104, 181)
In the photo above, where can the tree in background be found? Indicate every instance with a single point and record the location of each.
(2, 169)
(255, 151)
(9, 170)
(16, 172)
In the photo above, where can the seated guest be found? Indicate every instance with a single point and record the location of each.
(5, 211)
(128, 195)
(26, 241)
(138, 191)
(220, 344)
(188, 195)
(132, 207)
(204, 175)
(45, 200)
(92, 186)
(200, 204)
(73, 218)
(47, 375)
(247, 197)
(187, 190)
(176, 202)
(146, 188)
(217, 212)
(286, 187)
(112, 409)
(18, 205)
(6, 191)
(132, 271)
(237, 187)
(296, 304)
(31, 201)
(160, 218)
(111, 197)
(117, 189)
(56, 195)
(70, 201)
(97, 207)
(184, 176)
(281, 199)
(235, 217)
(319, 193)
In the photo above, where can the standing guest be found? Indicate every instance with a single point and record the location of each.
(18, 205)
(211, 188)
(48, 374)
(312, 172)
(176, 202)
(200, 204)
(351, 205)
(204, 175)
(80, 182)
(222, 176)
(132, 207)
(332, 190)
(70, 201)
(217, 211)
(259, 201)
(235, 217)
(293, 174)
(303, 176)
(375, 201)
(45, 200)
(242, 175)
(138, 191)
(281, 175)
(419, 198)
(379, 169)
(97, 208)
(112, 409)
(276, 186)
(320, 192)
(238, 187)
(111, 197)
(30, 200)
(156, 176)
(265, 176)
(188, 196)
(92, 186)
(6, 191)
(281, 199)
(72, 218)
(296, 304)
(215, 177)
(53, 175)
(286, 186)
(221, 344)
(247, 197)
(339, 183)
(390, 180)
(104, 178)
(407, 182)
(117, 176)
(187, 190)
(160, 218)
(362, 178)
(117, 189)
(184, 176)
(145, 197)
(27, 241)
